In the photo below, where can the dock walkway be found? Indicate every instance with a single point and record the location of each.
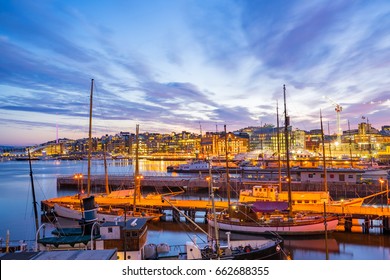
(160, 202)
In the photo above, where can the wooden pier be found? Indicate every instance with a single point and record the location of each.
(155, 201)
(199, 183)
(191, 185)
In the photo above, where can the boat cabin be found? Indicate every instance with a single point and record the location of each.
(128, 237)
(271, 193)
(240, 213)
(334, 175)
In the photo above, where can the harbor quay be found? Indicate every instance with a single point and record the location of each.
(367, 218)
(193, 185)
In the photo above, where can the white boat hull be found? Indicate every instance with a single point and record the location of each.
(74, 214)
(303, 229)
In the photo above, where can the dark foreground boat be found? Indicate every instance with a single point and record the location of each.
(262, 249)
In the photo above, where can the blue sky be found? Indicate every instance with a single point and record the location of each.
(178, 65)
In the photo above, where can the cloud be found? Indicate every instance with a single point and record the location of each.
(172, 65)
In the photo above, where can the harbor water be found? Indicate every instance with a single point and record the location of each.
(17, 215)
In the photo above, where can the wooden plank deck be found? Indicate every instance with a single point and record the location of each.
(205, 204)
(156, 202)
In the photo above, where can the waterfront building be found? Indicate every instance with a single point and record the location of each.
(215, 144)
(361, 143)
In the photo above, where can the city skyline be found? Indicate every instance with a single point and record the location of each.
(189, 66)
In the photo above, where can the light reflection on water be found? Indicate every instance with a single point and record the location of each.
(16, 211)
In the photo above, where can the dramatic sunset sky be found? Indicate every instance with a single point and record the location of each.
(173, 65)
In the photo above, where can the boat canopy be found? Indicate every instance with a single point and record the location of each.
(66, 240)
(269, 206)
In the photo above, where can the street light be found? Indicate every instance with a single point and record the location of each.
(387, 194)
(79, 178)
(381, 181)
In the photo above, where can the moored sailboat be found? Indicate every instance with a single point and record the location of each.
(268, 217)
(71, 206)
(254, 249)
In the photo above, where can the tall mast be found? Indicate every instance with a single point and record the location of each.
(286, 124)
(105, 168)
(137, 182)
(227, 167)
(33, 193)
(278, 140)
(90, 141)
(368, 131)
(350, 144)
(216, 231)
(330, 149)
(323, 155)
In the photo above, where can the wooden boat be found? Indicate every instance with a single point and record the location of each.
(266, 218)
(63, 208)
(234, 250)
(256, 249)
(269, 217)
(106, 214)
(128, 237)
(269, 192)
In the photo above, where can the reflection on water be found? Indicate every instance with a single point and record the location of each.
(16, 212)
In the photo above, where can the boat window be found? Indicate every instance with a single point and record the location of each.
(307, 201)
(134, 234)
(109, 230)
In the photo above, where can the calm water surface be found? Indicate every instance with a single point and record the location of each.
(17, 215)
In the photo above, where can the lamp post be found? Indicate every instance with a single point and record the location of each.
(387, 194)
(381, 181)
(79, 178)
